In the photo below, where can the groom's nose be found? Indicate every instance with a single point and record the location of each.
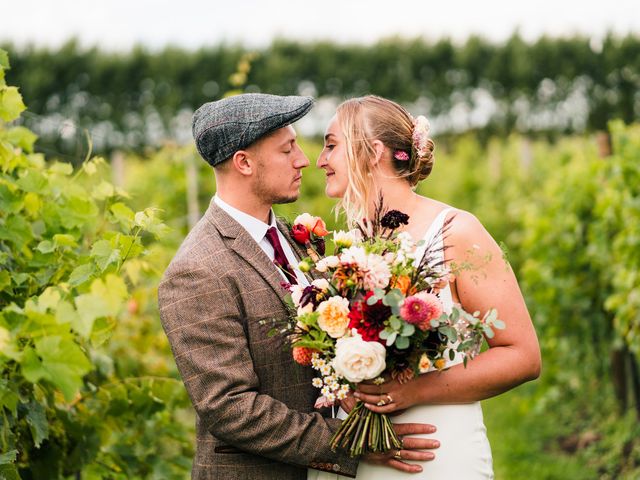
(301, 160)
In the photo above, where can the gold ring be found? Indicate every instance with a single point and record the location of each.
(381, 403)
(397, 455)
(389, 399)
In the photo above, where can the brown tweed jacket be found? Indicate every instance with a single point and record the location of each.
(254, 404)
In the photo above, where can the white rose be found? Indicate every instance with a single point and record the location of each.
(357, 360)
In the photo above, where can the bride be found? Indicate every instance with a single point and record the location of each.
(373, 146)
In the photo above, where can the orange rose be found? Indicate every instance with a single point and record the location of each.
(320, 229)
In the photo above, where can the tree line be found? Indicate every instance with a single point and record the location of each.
(548, 86)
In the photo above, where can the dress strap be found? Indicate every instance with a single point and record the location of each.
(437, 224)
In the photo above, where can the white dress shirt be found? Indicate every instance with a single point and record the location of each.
(258, 231)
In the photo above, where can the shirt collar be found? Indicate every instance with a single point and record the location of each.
(256, 228)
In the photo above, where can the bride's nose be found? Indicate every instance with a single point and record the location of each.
(322, 160)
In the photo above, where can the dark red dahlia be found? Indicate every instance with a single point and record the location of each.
(368, 320)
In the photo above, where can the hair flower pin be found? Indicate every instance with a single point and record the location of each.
(421, 129)
(401, 155)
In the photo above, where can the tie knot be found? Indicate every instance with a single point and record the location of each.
(272, 235)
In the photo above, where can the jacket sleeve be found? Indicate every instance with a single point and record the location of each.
(202, 320)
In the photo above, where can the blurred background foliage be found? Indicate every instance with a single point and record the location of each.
(562, 196)
(140, 98)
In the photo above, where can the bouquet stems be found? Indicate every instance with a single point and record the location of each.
(364, 431)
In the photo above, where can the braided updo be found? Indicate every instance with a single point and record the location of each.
(370, 118)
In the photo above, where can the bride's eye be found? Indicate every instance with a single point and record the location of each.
(329, 147)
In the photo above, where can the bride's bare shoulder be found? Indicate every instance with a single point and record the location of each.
(465, 229)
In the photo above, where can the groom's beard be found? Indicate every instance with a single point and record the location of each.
(270, 196)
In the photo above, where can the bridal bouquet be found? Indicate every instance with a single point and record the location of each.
(376, 313)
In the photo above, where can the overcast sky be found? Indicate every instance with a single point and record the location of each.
(119, 24)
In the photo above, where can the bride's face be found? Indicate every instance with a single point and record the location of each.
(333, 160)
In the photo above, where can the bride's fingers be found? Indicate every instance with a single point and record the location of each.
(375, 398)
(402, 429)
(413, 443)
(385, 403)
(416, 455)
(404, 467)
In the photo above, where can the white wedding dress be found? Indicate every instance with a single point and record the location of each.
(464, 452)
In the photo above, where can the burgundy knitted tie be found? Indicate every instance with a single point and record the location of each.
(280, 258)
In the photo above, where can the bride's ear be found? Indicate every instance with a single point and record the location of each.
(378, 146)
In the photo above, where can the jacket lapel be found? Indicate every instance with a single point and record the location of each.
(245, 246)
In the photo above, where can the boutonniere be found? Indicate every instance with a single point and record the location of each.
(309, 231)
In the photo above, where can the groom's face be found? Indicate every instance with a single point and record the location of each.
(280, 161)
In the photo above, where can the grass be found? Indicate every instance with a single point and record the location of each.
(524, 442)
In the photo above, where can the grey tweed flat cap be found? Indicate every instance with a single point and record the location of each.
(225, 126)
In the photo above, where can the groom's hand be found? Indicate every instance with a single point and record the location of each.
(412, 448)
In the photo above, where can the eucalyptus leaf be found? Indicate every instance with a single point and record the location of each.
(391, 338)
(395, 323)
(407, 329)
(402, 343)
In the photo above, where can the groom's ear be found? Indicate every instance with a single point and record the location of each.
(378, 147)
(243, 162)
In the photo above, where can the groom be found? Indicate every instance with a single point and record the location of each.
(254, 404)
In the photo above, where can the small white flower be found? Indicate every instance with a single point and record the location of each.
(325, 369)
(317, 382)
(343, 239)
(325, 391)
(341, 395)
(296, 294)
(321, 283)
(331, 397)
(425, 363)
(329, 379)
(308, 308)
(327, 262)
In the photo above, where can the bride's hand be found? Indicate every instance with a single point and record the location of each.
(390, 397)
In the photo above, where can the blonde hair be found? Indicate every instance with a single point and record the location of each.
(362, 121)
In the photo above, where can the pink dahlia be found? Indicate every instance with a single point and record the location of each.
(420, 309)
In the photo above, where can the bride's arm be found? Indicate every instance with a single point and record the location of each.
(514, 354)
